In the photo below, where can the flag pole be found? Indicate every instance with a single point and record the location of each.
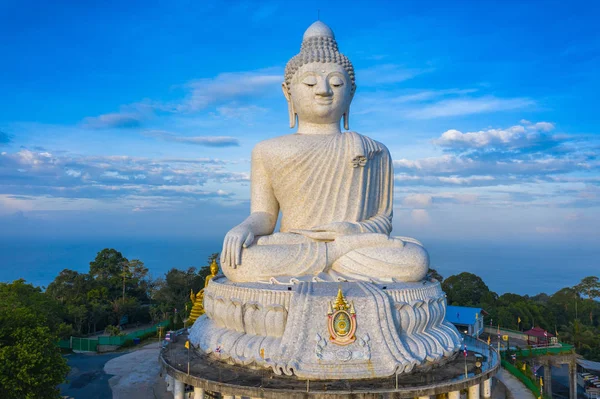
(465, 356)
(499, 342)
(187, 345)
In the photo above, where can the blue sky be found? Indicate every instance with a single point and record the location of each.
(138, 118)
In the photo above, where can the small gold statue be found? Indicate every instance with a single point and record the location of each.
(198, 299)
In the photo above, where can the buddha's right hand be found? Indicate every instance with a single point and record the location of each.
(239, 237)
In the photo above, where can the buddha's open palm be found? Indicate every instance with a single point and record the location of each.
(239, 237)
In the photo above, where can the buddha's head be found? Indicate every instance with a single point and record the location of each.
(214, 268)
(319, 81)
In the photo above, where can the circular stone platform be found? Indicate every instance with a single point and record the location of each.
(210, 374)
(392, 328)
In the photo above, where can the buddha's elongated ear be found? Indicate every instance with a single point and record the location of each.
(346, 115)
(291, 110)
(347, 119)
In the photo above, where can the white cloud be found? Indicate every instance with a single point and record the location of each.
(517, 136)
(417, 201)
(387, 74)
(420, 216)
(206, 141)
(225, 87)
(72, 176)
(73, 173)
(543, 126)
(482, 138)
(468, 106)
(199, 95)
(125, 120)
(465, 180)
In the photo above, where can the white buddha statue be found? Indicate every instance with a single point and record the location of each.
(334, 190)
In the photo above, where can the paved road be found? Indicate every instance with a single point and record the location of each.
(136, 375)
(87, 379)
(517, 389)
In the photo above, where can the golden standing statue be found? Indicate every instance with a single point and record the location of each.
(198, 299)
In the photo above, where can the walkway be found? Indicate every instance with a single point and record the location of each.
(516, 388)
(136, 375)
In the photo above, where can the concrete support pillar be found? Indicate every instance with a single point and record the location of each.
(198, 393)
(454, 395)
(178, 390)
(572, 380)
(487, 388)
(474, 392)
(548, 379)
(169, 381)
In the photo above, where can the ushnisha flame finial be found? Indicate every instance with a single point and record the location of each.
(318, 45)
(340, 301)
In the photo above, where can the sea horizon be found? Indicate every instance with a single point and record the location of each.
(512, 267)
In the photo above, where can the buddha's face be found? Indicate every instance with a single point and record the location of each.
(320, 92)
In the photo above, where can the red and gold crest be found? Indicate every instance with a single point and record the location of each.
(341, 321)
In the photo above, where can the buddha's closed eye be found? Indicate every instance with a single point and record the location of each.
(310, 81)
(336, 81)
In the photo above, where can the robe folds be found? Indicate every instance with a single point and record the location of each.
(314, 180)
(319, 179)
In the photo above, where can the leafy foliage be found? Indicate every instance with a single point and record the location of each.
(31, 365)
(114, 287)
(467, 289)
(558, 313)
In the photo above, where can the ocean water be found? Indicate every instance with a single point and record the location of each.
(40, 260)
(522, 268)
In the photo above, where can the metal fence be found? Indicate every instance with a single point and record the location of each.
(84, 344)
(121, 339)
(91, 344)
(546, 350)
(64, 344)
(533, 387)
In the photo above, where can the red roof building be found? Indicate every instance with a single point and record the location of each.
(538, 336)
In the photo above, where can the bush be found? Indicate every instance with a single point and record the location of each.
(113, 331)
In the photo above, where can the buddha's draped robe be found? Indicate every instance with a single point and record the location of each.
(325, 182)
(316, 180)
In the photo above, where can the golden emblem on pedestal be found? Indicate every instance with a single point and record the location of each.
(341, 320)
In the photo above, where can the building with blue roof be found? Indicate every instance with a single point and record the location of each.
(467, 320)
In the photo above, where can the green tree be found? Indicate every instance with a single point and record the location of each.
(122, 308)
(467, 289)
(174, 290)
(435, 275)
(98, 308)
(135, 280)
(31, 365)
(107, 269)
(590, 287)
(82, 298)
(564, 303)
